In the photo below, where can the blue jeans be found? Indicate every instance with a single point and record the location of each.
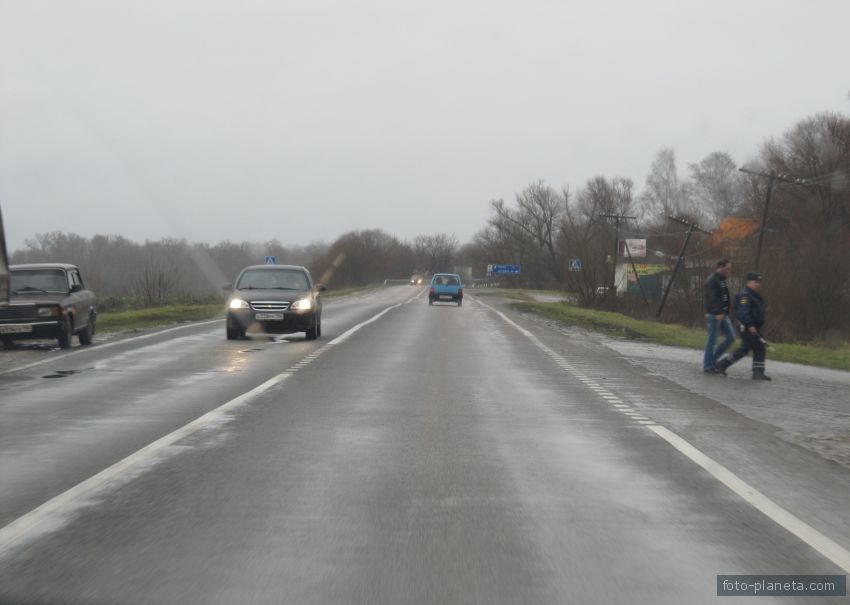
(713, 326)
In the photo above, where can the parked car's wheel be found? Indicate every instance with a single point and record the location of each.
(87, 335)
(65, 334)
(7, 342)
(313, 331)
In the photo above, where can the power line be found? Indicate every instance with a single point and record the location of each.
(772, 178)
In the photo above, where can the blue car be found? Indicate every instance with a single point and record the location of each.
(446, 287)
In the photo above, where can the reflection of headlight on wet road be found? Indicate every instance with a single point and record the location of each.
(305, 304)
(238, 303)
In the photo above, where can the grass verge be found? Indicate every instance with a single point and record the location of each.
(156, 316)
(118, 321)
(623, 326)
(331, 294)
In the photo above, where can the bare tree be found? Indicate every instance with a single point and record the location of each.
(537, 218)
(664, 194)
(590, 238)
(435, 253)
(717, 186)
(156, 283)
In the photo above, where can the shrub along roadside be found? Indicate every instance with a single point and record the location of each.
(156, 316)
(623, 326)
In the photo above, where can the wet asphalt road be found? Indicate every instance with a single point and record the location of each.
(433, 455)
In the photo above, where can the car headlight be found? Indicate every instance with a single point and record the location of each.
(48, 311)
(305, 304)
(238, 303)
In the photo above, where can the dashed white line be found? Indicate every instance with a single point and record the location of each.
(805, 532)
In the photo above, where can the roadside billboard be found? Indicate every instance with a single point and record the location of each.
(636, 247)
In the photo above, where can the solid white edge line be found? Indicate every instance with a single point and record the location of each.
(53, 514)
(805, 532)
(39, 521)
(106, 345)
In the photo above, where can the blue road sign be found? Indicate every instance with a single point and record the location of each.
(506, 270)
(575, 264)
(271, 260)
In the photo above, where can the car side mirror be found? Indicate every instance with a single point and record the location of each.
(227, 287)
(76, 288)
(322, 288)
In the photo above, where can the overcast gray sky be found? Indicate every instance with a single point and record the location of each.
(252, 120)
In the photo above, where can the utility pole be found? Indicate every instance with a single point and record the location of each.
(637, 275)
(691, 228)
(772, 178)
(617, 218)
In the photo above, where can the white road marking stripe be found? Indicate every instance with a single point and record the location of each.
(808, 534)
(60, 510)
(805, 532)
(106, 345)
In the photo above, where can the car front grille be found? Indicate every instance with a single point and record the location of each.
(18, 313)
(269, 305)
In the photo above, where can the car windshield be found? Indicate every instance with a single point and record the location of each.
(446, 280)
(281, 279)
(39, 280)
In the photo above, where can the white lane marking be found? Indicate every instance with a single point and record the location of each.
(60, 510)
(805, 532)
(50, 516)
(808, 534)
(106, 345)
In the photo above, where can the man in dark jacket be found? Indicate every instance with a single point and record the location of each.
(717, 316)
(749, 309)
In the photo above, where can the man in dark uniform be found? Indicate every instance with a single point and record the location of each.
(749, 309)
(717, 316)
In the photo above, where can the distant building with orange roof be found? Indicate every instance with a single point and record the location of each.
(733, 231)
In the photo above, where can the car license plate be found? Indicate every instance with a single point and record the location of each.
(445, 297)
(268, 316)
(15, 329)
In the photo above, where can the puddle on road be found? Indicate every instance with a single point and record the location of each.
(66, 373)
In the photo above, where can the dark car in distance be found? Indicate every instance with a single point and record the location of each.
(274, 299)
(48, 300)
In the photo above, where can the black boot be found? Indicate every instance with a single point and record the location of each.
(760, 375)
(721, 365)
